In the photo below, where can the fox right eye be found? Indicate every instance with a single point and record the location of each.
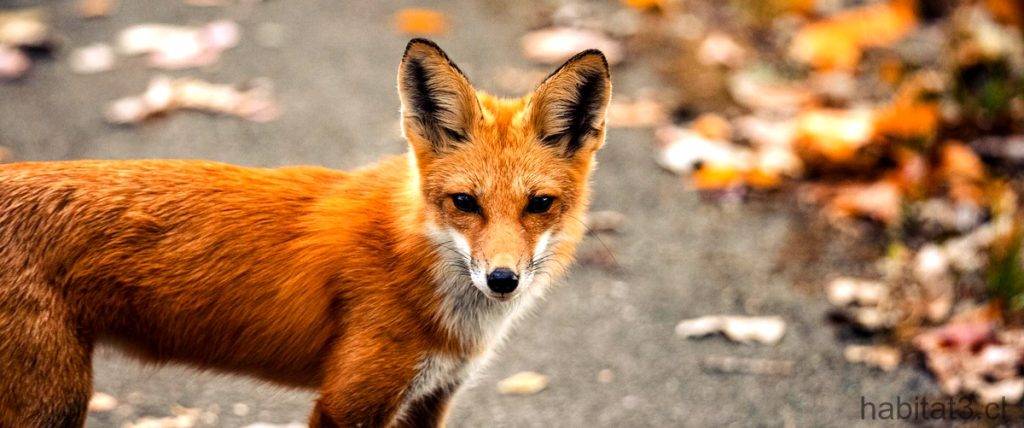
(465, 203)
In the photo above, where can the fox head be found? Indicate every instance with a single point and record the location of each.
(504, 181)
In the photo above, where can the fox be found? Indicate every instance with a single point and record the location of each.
(384, 289)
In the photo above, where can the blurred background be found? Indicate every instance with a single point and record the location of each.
(802, 204)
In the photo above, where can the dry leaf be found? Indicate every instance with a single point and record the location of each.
(523, 383)
(837, 42)
(95, 8)
(886, 358)
(645, 5)
(13, 63)
(102, 402)
(832, 137)
(765, 330)
(913, 114)
(421, 22)
(254, 102)
(555, 45)
(24, 27)
(853, 291)
(95, 58)
(183, 418)
(684, 151)
(877, 201)
(959, 162)
(718, 49)
(765, 92)
(712, 127)
(175, 47)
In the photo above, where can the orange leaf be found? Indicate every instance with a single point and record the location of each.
(878, 201)
(718, 176)
(645, 5)
(421, 21)
(837, 42)
(960, 162)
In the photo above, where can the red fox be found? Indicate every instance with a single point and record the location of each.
(383, 289)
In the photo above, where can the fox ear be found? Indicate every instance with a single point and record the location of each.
(438, 102)
(568, 108)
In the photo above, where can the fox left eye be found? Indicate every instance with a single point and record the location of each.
(465, 203)
(539, 204)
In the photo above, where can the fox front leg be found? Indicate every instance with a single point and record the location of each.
(429, 411)
(365, 384)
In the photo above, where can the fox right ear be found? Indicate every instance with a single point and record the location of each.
(438, 102)
(568, 108)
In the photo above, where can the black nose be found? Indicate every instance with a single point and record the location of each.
(502, 280)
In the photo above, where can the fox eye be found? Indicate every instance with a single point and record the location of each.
(539, 204)
(465, 203)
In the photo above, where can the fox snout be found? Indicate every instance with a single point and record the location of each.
(502, 274)
(502, 280)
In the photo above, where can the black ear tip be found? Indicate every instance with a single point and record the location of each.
(592, 54)
(419, 41)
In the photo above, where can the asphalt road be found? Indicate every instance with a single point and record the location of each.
(680, 257)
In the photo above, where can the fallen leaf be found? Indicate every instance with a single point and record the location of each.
(645, 5)
(13, 63)
(421, 21)
(95, 58)
(183, 418)
(684, 151)
(886, 358)
(762, 91)
(878, 201)
(555, 45)
(765, 330)
(838, 41)
(913, 114)
(718, 49)
(853, 291)
(959, 162)
(24, 27)
(523, 383)
(95, 8)
(712, 127)
(176, 47)
(102, 402)
(833, 137)
(253, 102)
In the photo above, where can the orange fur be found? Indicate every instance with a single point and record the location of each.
(303, 276)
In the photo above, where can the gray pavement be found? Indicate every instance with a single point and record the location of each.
(680, 257)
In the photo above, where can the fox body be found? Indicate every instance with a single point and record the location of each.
(382, 288)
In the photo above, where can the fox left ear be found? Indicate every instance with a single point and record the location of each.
(438, 102)
(568, 108)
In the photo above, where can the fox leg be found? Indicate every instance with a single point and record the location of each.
(430, 410)
(45, 365)
(365, 383)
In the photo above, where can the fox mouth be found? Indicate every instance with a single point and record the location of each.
(500, 297)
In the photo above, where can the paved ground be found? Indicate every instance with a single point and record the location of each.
(681, 258)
